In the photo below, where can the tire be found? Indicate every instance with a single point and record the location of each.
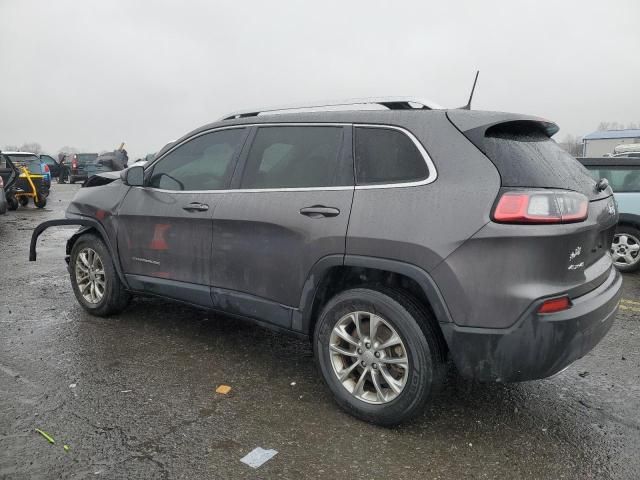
(41, 202)
(625, 249)
(72, 179)
(12, 202)
(421, 345)
(114, 298)
(24, 201)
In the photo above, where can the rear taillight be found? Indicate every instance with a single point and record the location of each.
(554, 305)
(1, 183)
(541, 206)
(74, 163)
(46, 168)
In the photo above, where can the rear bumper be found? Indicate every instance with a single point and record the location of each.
(537, 346)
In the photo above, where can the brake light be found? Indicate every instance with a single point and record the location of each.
(74, 162)
(554, 305)
(541, 206)
(1, 183)
(46, 168)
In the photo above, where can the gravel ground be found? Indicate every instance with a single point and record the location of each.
(134, 396)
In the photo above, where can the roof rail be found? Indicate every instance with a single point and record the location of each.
(392, 103)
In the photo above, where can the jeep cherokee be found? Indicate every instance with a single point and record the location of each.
(394, 238)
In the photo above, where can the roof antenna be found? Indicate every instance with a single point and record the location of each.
(473, 89)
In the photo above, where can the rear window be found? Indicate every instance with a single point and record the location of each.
(526, 157)
(385, 156)
(86, 157)
(32, 162)
(621, 179)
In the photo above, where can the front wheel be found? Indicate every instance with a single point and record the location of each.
(12, 202)
(625, 249)
(380, 354)
(94, 279)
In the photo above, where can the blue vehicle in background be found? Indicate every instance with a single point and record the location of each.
(34, 164)
(623, 174)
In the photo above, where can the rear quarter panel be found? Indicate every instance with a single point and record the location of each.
(422, 225)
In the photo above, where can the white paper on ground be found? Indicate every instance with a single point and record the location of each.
(258, 456)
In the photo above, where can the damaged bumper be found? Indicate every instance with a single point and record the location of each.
(537, 346)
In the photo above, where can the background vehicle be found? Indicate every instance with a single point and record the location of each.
(8, 173)
(623, 174)
(627, 148)
(54, 167)
(34, 164)
(77, 164)
(371, 232)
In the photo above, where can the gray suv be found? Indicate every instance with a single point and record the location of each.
(393, 238)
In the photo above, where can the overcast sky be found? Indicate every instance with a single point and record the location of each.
(91, 74)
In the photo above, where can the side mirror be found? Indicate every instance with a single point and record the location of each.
(134, 176)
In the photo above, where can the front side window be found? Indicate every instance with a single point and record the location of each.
(295, 157)
(204, 163)
(386, 156)
(621, 179)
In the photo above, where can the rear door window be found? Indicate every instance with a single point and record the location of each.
(296, 157)
(621, 179)
(384, 155)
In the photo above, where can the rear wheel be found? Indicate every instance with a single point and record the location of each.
(41, 202)
(625, 248)
(95, 281)
(379, 353)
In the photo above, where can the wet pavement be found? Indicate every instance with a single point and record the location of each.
(133, 396)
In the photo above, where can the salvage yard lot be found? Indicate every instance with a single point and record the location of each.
(134, 396)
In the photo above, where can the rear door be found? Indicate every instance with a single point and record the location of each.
(165, 227)
(289, 209)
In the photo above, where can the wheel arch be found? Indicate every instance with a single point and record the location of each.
(629, 219)
(335, 273)
(88, 225)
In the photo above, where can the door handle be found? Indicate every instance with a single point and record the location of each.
(196, 207)
(319, 211)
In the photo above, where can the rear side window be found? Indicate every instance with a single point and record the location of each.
(385, 156)
(525, 156)
(295, 157)
(621, 179)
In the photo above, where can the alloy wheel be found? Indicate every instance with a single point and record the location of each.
(90, 275)
(625, 250)
(368, 357)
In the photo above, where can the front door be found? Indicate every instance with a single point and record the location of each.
(165, 227)
(290, 209)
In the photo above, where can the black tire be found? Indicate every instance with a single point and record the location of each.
(423, 342)
(633, 238)
(12, 202)
(72, 179)
(24, 201)
(41, 202)
(115, 297)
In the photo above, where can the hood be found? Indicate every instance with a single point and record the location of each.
(102, 179)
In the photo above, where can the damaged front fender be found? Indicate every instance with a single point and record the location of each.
(89, 224)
